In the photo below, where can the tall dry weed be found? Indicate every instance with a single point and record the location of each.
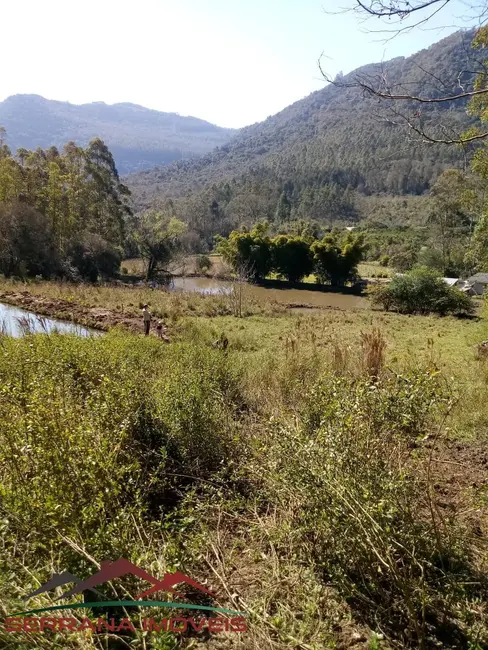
(373, 346)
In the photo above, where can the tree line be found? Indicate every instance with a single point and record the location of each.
(333, 259)
(62, 213)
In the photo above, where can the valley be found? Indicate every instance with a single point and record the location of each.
(240, 370)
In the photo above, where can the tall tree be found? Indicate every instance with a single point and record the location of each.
(283, 209)
(449, 220)
(109, 197)
(4, 149)
(159, 238)
(77, 195)
(477, 254)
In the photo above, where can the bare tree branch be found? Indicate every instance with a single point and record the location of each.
(366, 84)
(400, 8)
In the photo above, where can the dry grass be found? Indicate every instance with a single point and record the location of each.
(249, 547)
(373, 347)
(374, 270)
(130, 299)
(135, 266)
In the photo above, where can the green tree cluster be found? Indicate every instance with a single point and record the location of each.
(335, 261)
(422, 291)
(63, 213)
(248, 252)
(254, 254)
(292, 257)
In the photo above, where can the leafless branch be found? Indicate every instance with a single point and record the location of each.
(450, 137)
(402, 16)
(400, 8)
(365, 83)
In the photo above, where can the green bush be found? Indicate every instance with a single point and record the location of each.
(350, 479)
(333, 259)
(404, 258)
(384, 260)
(422, 291)
(95, 432)
(203, 263)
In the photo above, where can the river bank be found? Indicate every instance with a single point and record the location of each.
(67, 310)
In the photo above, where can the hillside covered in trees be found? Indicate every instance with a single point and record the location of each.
(319, 157)
(138, 137)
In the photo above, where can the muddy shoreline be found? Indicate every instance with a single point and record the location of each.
(93, 317)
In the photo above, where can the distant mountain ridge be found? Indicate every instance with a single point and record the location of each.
(334, 136)
(138, 137)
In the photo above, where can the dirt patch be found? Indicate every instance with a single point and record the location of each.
(94, 317)
(460, 481)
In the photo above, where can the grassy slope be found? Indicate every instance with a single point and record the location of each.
(235, 530)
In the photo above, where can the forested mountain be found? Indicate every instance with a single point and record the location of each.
(138, 137)
(312, 159)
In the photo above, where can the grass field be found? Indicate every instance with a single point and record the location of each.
(327, 473)
(135, 266)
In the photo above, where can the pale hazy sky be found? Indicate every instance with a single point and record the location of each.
(227, 61)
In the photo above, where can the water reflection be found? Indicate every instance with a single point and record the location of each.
(297, 299)
(206, 286)
(18, 322)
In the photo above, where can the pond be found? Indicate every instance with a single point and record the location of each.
(295, 298)
(18, 322)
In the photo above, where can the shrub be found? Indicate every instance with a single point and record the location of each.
(203, 263)
(384, 260)
(92, 256)
(359, 502)
(82, 421)
(422, 291)
(404, 258)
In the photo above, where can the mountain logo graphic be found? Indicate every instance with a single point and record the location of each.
(110, 571)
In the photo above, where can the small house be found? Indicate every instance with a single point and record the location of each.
(477, 284)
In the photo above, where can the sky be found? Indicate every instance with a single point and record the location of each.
(230, 62)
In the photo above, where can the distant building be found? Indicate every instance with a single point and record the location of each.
(452, 282)
(476, 285)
